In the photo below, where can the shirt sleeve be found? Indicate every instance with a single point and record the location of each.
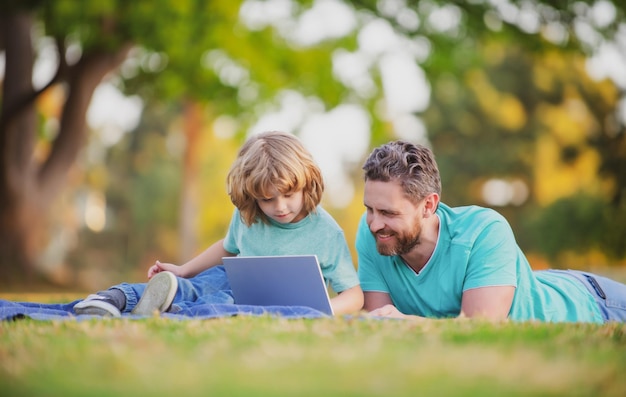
(341, 273)
(230, 241)
(493, 257)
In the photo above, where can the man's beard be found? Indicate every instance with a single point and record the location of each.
(404, 242)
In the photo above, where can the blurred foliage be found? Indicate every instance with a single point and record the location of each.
(508, 104)
(578, 224)
(192, 49)
(529, 118)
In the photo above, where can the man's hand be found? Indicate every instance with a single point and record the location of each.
(388, 311)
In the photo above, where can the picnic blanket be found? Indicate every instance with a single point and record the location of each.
(10, 310)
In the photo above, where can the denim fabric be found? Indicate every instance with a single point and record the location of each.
(210, 286)
(610, 294)
(12, 311)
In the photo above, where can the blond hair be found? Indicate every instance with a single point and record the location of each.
(272, 161)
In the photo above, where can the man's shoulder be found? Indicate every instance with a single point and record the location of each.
(468, 212)
(468, 222)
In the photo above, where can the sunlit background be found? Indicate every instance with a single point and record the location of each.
(149, 182)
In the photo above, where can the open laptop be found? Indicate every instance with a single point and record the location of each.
(292, 280)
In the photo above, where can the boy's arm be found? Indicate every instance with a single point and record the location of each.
(348, 301)
(208, 258)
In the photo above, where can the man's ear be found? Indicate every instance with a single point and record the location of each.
(431, 202)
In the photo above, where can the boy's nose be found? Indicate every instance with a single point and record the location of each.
(280, 204)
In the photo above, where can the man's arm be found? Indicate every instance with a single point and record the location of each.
(491, 303)
(379, 304)
(374, 300)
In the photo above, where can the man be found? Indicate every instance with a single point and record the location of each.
(420, 257)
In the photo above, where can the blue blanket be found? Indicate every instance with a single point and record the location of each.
(65, 311)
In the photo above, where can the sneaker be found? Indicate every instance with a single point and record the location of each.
(97, 305)
(158, 295)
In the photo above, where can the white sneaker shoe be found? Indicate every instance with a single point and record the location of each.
(97, 305)
(158, 295)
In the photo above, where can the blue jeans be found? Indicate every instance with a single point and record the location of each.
(210, 286)
(610, 294)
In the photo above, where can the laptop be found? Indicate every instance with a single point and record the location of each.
(291, 280)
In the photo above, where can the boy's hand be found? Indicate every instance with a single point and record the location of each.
(159, 267)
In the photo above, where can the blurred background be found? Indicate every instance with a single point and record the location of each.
(120, 120)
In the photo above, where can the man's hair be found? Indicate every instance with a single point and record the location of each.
(272, 160)
(413, 166)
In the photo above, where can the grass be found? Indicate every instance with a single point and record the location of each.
(267, 356)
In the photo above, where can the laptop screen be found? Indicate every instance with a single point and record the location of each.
(294, 280)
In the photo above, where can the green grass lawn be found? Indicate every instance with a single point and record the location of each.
(257, 356)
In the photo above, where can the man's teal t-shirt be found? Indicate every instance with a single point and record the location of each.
(475, 248)
(317, 234)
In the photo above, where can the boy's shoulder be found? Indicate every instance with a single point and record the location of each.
(321, 216)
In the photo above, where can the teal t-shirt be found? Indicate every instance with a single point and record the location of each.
(475, 248)
(317, 234)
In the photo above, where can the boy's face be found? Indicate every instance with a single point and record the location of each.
(283, 208)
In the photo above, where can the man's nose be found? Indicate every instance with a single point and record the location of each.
(375, 222)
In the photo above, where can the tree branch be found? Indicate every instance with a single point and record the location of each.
(83, 79)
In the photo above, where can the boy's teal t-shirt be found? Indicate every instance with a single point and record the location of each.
(317, 234)
(476, 248)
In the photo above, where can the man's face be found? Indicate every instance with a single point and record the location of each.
(394, 220)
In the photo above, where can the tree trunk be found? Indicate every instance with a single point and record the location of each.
(28, 187)
(17, 132)
(189, 194)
